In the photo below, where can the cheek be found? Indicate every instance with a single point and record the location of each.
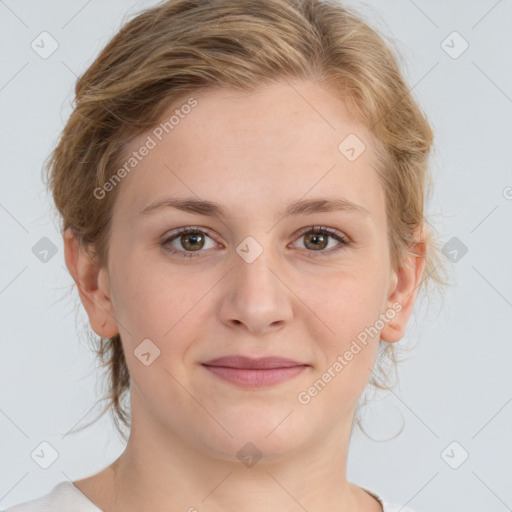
(153, 297)
(348, 354)
(165, 307)
(161, 301)
(351, 308)
(347, 304)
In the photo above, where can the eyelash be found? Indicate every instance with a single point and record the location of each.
(344, 241)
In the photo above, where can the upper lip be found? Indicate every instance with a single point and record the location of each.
(251, 363)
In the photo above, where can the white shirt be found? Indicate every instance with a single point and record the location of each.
(65, 497)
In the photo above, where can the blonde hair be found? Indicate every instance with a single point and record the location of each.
(167, 52)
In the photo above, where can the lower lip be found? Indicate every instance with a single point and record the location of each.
(255, 378)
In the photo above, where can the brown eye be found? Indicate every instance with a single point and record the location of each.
(187, 241)
(194, 241)
(316, 239)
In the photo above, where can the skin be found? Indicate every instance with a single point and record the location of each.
(253, 153)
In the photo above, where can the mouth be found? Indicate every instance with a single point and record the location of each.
(254, 373)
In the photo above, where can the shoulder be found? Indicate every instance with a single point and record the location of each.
(64, 497)
(386, 505)
(389, 507)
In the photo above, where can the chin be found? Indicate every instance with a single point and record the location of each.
(256, 436)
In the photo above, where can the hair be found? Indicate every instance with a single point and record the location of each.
(168, 52)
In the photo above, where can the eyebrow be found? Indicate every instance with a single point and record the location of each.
(212, 209)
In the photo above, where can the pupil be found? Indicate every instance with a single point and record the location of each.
(192, 239)
(317, 240)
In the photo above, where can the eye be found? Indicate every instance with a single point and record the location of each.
(191, 239)
(317, 238)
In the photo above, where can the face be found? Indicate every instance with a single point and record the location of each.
(252, 279)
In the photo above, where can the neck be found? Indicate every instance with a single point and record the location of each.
(172, 471)
(164, 473)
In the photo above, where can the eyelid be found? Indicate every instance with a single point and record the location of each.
(189, 229)
(319, 228)
(342, 239)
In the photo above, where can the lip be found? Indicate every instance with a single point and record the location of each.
(254, 372)
(253, 363)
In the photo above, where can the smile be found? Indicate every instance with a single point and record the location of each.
(255, 377)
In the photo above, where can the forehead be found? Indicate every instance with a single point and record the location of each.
(258, 151)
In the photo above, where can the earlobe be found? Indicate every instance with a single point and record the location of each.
(403, 294)
(92, 284)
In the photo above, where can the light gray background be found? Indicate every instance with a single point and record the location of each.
(456, 385)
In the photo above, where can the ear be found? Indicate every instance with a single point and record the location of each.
(403, 291)
(92, 284)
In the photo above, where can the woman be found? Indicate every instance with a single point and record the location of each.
(241, 186)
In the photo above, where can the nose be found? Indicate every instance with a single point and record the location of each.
(255, 296)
